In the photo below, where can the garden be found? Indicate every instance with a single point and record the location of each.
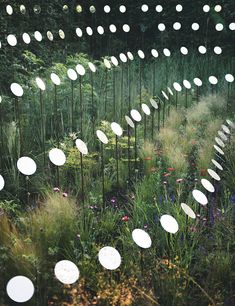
(117, 153)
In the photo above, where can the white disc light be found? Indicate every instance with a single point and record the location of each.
(219, 142)
(220, 151)
(169, 224)
(41, 85)
(55, 79)
(195, 26)
(218, 50)
(219, 27)
(229, 78)
(112, 28)
(166, 52)
(177, 86)
(126, 28)
(184, 50)
(206, 8)
(26, 165)
(135, 115)
(200, 197)
(154, 53)
(213, 174)
(141, 238)
(72, 74)
(80, 70)
(159, 8)
(92, 67)
(177, 26)
(153, 103)
(161, 27)
(26, 38)
(197, 82)
(141, 54)
(217, 165)
(17, 89)
(122, 8)
(2, 182)
(116, 128)
(38, 36)
(66, 272)
(89, 31)
(78, 32)
(187, 84)
(202, 49)
(129, 121)
(57, 157)
(107, 9)
(100, 30)
(102, 137)
(232, 26)
(109, 258)
(81, 146)
(188, 211)
(179, 8)
(145, 109)
(207, 185)
(20, 289)
(11, 39)
(144, 8)
(213, 80)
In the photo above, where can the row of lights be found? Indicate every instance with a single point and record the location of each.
(17, 89)
(12, 40)
(195, 26)
(107, 9)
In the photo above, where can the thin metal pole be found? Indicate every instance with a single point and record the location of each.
(140, 81)
(135, 146)
(164, 108)
(92, 103)
(56, 116)
(82, 178)
(176, 99)
(102, 170)
(159, 117)
(17, 109)
(129, 153)
(129, 88)
(106, 93)
(58, 176)
(186, 98)
(228, 96)
(42, 129)
(122, 86)
(145, 126)
(153, 113)
(72, 107)
(117, 157)
(114, 95)
(81, 105)
(2, 144)
(154, 77)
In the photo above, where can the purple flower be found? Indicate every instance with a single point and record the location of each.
(56, 189)
(113, 200)
(156, 219)
(233, 199)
